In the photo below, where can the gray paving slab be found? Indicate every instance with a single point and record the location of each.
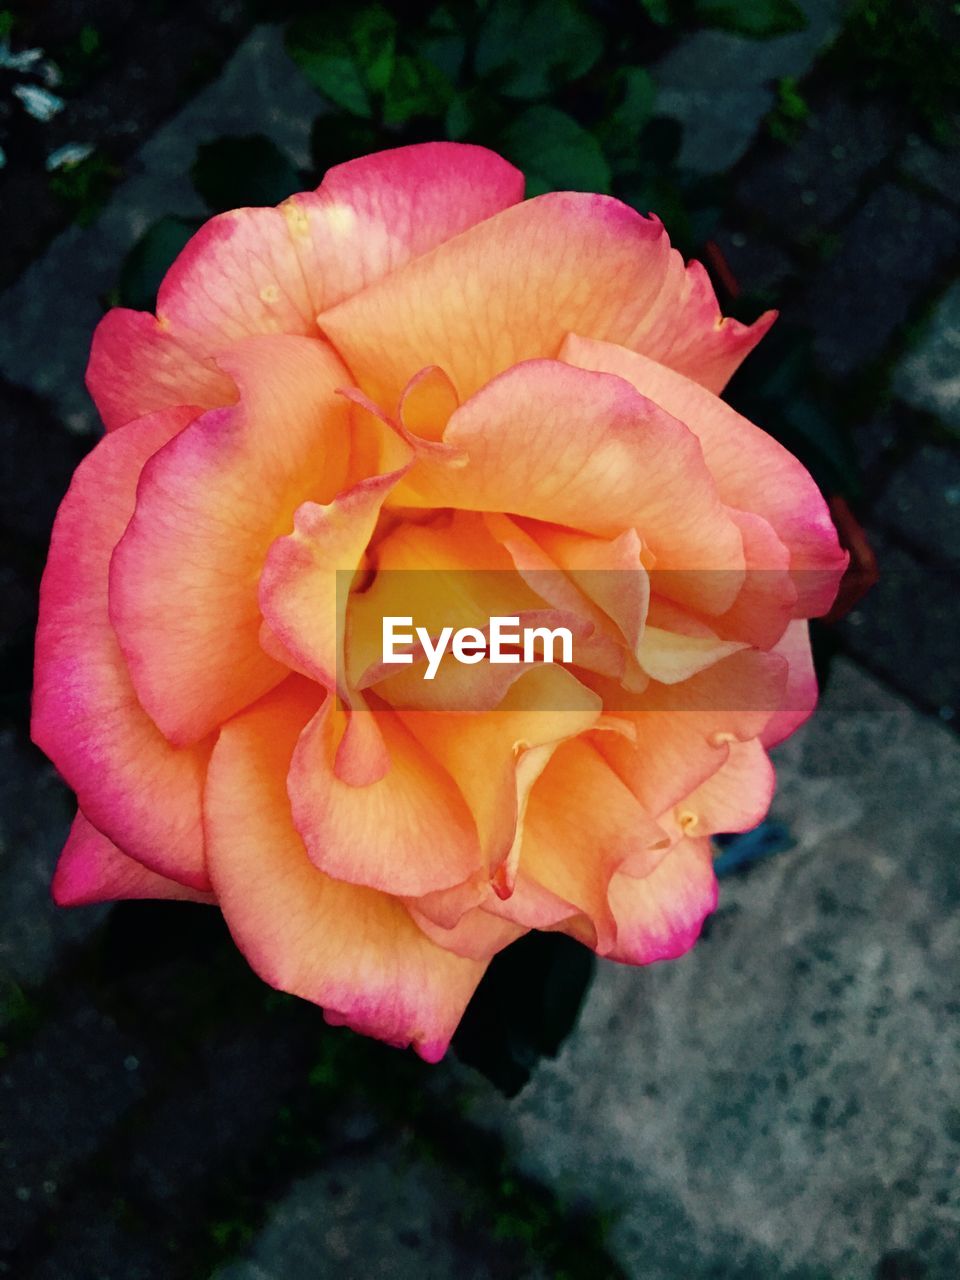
(47, 317)
(922, 502)
(936, 167)
(719, 86)
(785, 1101)
(929, 376)
(35, 814)
(905, 629)
(809, 183)
(893, 253)
(382, 1212)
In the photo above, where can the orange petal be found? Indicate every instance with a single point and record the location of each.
(308, 574)
(735, 798)
(407, 831)
(768, 598)
(92, 869)
(511, 288)
(477, 934)
(751, 470)
(140, 791)
(260, 271)
(582, 825)
(484, 753)
(183, 582)
(352, 950)
(449, 572)
(680, 734)
(557, 444)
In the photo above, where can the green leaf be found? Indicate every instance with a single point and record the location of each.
(442, 42)
(231, 173)
(658, 11)
(555, 152)
(524, 1008)
(758, 18)
(530, 48)
(416, 88)
(478, 115)
(620, 132)
(459, 118)
(374, 38)
(149, 260)
(347, 54)
(329, 64)
(84, 187)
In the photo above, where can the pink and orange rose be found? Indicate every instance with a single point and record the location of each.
(412, 368)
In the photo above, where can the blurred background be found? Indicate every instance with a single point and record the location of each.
(783, 1103)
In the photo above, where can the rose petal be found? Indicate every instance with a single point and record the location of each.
(800, 695)
(407, 831)
(258, 271)
(545, 706)
(307, 576)
(137, 367)
(183, 581)
(735, 798)
(92, 869)
(582, 824)
(554, 443)
(374, 214)
(511, 288)
(659, 916)
(239, 276)
(140, 791)
(352, 950)
(751, 470)
(680, 734)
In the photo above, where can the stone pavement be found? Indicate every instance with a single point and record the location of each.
(784, 1101)
(782, 1104)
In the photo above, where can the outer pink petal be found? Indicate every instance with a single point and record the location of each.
(92, 869)
(686, 331)
(258, 271)
(372, 215)
(800, 697)
(767, 600)
(137, 788)
(660, 915)
(511, 288)
(752, 471)
(137, 366)
(584, 450)
(237, 277)
(352, 950)
(183, 582)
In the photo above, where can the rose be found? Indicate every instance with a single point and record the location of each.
(412, 369)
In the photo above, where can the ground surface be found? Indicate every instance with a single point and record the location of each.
(783, 1104)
